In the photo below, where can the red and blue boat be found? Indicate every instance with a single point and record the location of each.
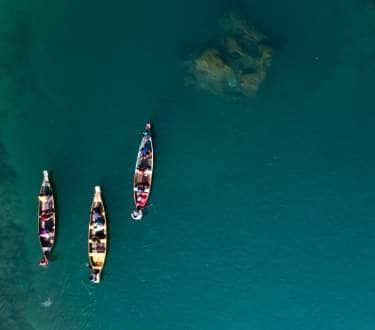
(143, 173)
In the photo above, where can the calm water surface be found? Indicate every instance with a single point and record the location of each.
(262, 211)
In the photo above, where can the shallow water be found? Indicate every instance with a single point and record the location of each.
(262, 211)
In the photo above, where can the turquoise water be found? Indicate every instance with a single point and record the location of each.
(262, 211)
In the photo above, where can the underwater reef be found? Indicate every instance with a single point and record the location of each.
(238, 62)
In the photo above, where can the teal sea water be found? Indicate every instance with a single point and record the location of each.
(262, 211)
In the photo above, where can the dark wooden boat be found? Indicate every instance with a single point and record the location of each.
(46, 219)
(143, 173)
(97, 237)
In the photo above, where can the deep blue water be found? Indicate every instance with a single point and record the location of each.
(262, 211)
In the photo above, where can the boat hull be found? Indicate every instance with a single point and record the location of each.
(46, 219)
(97, 236)
(143, 172)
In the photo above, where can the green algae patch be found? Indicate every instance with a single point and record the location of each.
(237, 65)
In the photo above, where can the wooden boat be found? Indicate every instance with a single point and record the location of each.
(46, 219)
(143, 173)
(97, 237)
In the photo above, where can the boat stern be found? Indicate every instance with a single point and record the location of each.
(137, 214)
(43, 261)
(95, 277)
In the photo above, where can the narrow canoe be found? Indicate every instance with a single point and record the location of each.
(46, 219)
(97, 237)
(143, 173)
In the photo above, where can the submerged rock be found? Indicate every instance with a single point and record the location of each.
(211, 73)
(237, 65)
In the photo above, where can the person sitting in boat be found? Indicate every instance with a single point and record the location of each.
(146, 150)
(144, 165)
(146, 179)
(141, 200)
(45, 199)
(148, 146)
(140, 171)
(99, 224)
(96, 214)
(147, 155)
(141, 194)
(45, 216)
(44, 233)
(46, 206)
(97, 209)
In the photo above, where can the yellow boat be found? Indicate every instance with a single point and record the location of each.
(97, 237)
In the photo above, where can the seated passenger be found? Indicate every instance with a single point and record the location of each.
(45, 216)
(144, 165)
(97, 209)
(43, 233)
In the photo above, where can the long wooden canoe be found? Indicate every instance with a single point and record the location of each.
(97, 237)
(144, 167)
(46, 219)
